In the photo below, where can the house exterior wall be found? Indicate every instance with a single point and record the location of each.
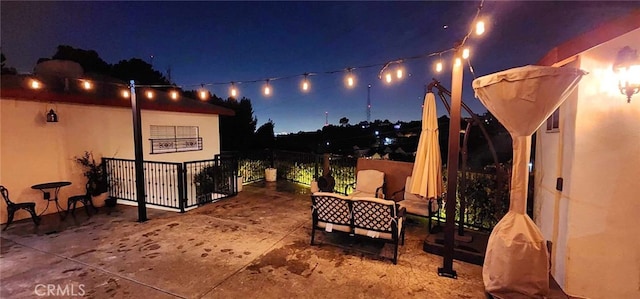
(33, 151)
(593, 222)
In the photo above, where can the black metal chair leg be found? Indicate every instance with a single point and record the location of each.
(11, 212)
(395, 254)
(34, 216)
(313, 234)
(86, 209)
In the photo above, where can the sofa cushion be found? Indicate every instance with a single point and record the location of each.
(338, 227)
(368, 181)
(376, 234)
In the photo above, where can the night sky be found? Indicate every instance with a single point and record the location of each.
(220, 42)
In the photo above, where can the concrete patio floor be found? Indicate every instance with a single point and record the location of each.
(254, 245)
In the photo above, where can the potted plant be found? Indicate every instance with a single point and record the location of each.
(94, 172)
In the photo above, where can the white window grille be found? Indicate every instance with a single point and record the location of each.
(171, 139)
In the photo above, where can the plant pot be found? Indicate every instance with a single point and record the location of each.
(270, 174)
(110, 202)
(99, 200)
(239, 183)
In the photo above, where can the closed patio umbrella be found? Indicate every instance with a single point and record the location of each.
(426, 177)
(516, 262)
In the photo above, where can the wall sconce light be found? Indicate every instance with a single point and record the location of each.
(52, 117)
(627, 68)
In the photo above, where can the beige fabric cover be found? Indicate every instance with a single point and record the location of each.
(367, 182)
(340, 227)
(415, 204)
(516, 262)
(427, 168)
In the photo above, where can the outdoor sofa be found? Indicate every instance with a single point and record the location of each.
(364, 216)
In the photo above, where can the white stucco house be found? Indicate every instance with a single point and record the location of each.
(96, 119)
(587, 167)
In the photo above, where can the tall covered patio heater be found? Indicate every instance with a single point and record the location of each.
(516, 262)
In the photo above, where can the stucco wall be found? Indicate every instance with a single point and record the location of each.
(33, 151)
(593, 222)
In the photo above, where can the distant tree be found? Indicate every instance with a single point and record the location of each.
(265, 137)
(138, 70)
(236, 132)
(88, 59)
(6, 70)
(344, 121)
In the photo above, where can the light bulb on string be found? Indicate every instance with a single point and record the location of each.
(439, 66)
(35, 84)
(174, 95)
(387, 77)
(233, 91)
(86, 84)
(125, 93)
(465, 53)
(305, 83)
(203, 94)
(479, 27)
(399, 73)
(350, 79)
(267, 89)
(149, 94)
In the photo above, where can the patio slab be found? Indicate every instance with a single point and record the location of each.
(253, 245)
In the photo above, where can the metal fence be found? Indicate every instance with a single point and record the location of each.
(297, 167)
(210, 180)
(485, 205)
(251, 165)
(174, 185)
(343, 170)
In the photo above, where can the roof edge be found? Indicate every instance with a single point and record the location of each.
(605, 32)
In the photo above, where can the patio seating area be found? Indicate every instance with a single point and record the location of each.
(253, 245)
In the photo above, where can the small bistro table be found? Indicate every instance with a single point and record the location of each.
(47, 195)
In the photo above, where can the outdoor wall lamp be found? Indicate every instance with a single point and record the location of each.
(52, 117)
(627, 68)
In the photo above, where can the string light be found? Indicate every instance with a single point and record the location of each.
(35, 84)
(234, 92)
(87, 84)
(267, 88)
(305, 82)
(174, 95)
(203, 93)
(480, 28)
(350, 79)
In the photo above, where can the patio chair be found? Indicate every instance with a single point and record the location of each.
(415, 204)
(13, 207)
(85, 199)
(369, 183)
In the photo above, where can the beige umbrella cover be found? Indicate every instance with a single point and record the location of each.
(516, 262)
(426, 177)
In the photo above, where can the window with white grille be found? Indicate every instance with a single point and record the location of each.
(171, 139)
(553, 122)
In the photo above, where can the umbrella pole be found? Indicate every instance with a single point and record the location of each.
(452, 168)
